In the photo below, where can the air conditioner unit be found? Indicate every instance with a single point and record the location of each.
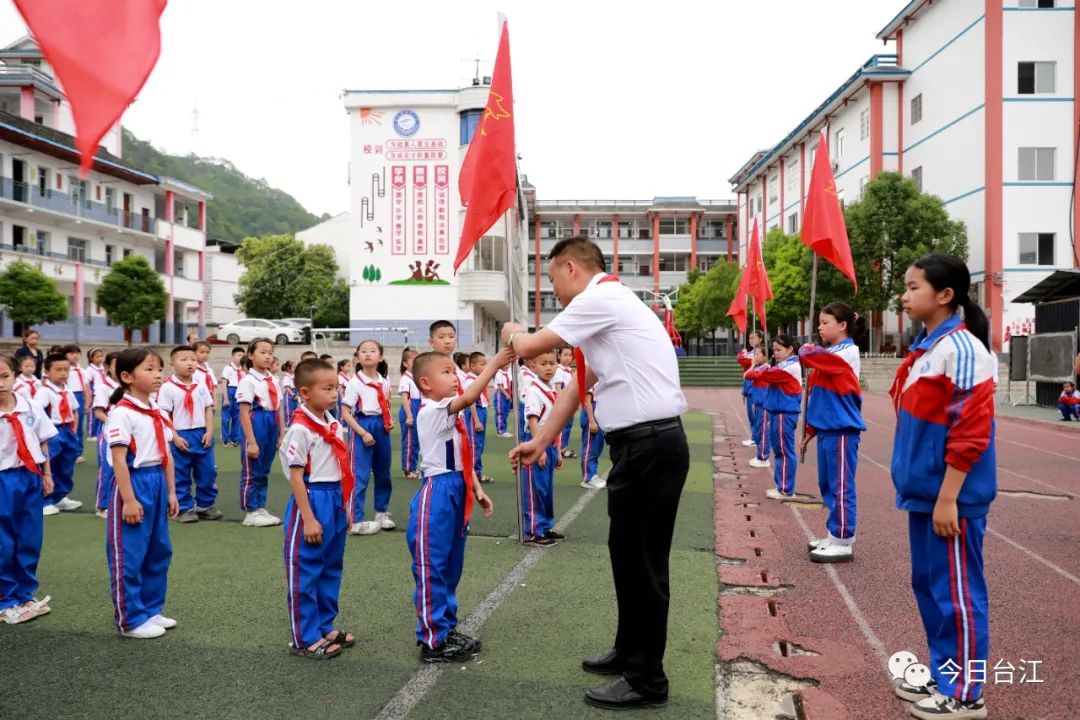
(835, 166)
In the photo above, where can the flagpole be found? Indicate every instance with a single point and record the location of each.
(806, 383)
(515, 387)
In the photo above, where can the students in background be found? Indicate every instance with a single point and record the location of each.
(746, 361)
(101, 407)
(60, 405)
(782, 403)
(410, 405)
(1069, 401)
(259, 397)
(230, 409)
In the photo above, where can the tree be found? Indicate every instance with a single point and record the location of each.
(285, 278)
(790, 265)
(30, 297)
(704, 299)
(132, 294)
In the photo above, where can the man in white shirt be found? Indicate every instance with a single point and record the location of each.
(629, 362)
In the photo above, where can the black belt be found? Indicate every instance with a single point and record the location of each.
(641, 430)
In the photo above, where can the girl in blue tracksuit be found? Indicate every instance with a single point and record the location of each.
(759, 419)
(782, 400)
(366, 410)
(834, 417)
(943, 469)
(102, 406)
(288, 388)
(746, 361)
(410, 405)
(263, 425)
(592, 445)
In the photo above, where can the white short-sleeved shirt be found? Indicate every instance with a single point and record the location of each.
(539, 399)
(303, 448)
(440, 441)
(103, 392)
(288, 383)
(469, 380)
(48, 397)
(136, 432)
(628, 351)
(361, 396)
(527, 376)
(342, 381)
(562, 378)
(502, 379)
(230, 375)
(94, 374)
(171, 399)
(408, 385)
(26, 386)
(462, 378)
(36, 426)
(77, 379)
(204, 375)
(253, 389)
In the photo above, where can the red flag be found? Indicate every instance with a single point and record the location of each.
(758, 282)
(488, 178)
(737, 310)
(102, 52)
(823, 229)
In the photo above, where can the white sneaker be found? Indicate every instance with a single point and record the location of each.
(145, 631)
(68, 504)
(274, 519)
(940, 706)
(754, 462)
(830, 553)
(259, 518)
(50, 510)
(598, 482)
(774, 494)
(816, 543)
(505, 435)
(748, 443)
(102, 513)
(587, 484)
(366, 527)
(163, 622)
(385, 523)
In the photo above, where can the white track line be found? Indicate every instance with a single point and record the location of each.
(413, 691)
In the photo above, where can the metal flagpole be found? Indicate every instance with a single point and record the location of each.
(806, 384)
(515, 387)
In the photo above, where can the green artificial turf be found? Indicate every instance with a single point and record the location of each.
(228, 658)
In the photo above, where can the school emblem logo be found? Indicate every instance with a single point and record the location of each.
(30, 420)
(406, 123)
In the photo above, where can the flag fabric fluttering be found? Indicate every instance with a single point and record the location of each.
(737, 310)
(823, 230)
(488, 178)
(758, 282)
(102, 52)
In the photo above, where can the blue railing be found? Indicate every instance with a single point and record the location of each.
(65, 203)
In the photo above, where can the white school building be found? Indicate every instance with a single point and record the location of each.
(976, 101)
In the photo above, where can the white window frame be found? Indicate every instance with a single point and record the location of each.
(917, 177)
(916, 111)
(1032, 167)
(864, 124)
(1036, 237)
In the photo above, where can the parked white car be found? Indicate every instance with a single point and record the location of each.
(280, 332)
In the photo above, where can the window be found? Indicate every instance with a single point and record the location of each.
(110, 253)
(110, 199)
(18, 238)
(790, 173)
(490, 254)
(42, 241)
(774, 183)
(470, 119)
(86, 310)
(793, 223)
(916, 108)
(674, 226)
(839, 144)
(916, 177)
(1037, 163)
(864, 124)
(1042, 4)
(178, 263)
(127, 251)
(603, 229)
(1036, 248)
(674, 262)
(43, 180)
(862, 184)
(76, 250)
(547, 229)
(1035, 78)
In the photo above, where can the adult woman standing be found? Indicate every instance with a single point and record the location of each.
(31, 338)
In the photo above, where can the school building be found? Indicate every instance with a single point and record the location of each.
(974, 100)
(74, 228)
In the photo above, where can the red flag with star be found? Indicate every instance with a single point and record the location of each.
(758, 282)
(102, 52)
(488, 178)
(823, 230)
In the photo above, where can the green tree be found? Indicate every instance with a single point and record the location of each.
(704, 298)
(132, 294)
(284, 278)
(790, 266)
(29, 296)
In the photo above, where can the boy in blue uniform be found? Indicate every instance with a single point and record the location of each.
(440, 511)
(61, 406)
(230, 409)
(538, 488)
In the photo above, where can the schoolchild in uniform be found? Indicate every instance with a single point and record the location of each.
(95, 369)
(366, 410)
(834, 417)
(746, 361)
(60, 404)
(759, 418)
(410, 405)
(592, 445)
(288, 386)
(783, 399)
(25, 478)
(504, 402)
(230, 409)
(344, 373)
(79, 384)
(190, 406)
(442, 337)
(563, 377)
(944, 400)
(1069, 402)
(477, 362)
(538, 485)
(440, 511)
(137, 545)
(101, 407)
(26, 384)
(315, 458)
(204, 374)
(259, 397)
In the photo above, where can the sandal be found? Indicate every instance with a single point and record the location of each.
(341, 638)
(321, 652)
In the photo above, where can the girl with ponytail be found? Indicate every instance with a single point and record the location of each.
(943, 469)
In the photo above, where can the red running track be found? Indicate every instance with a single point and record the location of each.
(855, 615)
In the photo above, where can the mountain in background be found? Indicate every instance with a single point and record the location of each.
(242, 206)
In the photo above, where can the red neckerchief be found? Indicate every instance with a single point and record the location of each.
(473, 378)
(271, 390)
(159, 426)
(467, 472)
(579, 356)
(21, 448)
(65, 406)
(189, 396)
(209, 380)
(330, 436)
(31, 384)
(549, 395)
(384, 403)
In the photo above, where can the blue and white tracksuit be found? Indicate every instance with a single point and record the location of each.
(255, 472)
(944, 401)
(592, 444)
(746, 361)
(759, 418)
(362, 400)
(782, 403)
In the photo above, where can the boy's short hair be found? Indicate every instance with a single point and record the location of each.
(307, 370)
(551, 352)
(54, 358)
(238, 349)
(179, 349)
(476, 356)
(439, 325)
(326, 356)
(199, 345)
(423, 363)
(308, 354)
(459, 358)
(71, 348)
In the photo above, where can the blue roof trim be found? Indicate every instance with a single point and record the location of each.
(955, 37)
(870, 68)
(123, 168)
(910, 9)
(1038, 99)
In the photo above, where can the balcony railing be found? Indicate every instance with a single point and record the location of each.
(75, 206)
(35, 252)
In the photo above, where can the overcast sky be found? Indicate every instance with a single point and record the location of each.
(668, 99)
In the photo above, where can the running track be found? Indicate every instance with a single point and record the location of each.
(854, 616)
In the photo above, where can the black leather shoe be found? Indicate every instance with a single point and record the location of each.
(620, 696)
(607, 664)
